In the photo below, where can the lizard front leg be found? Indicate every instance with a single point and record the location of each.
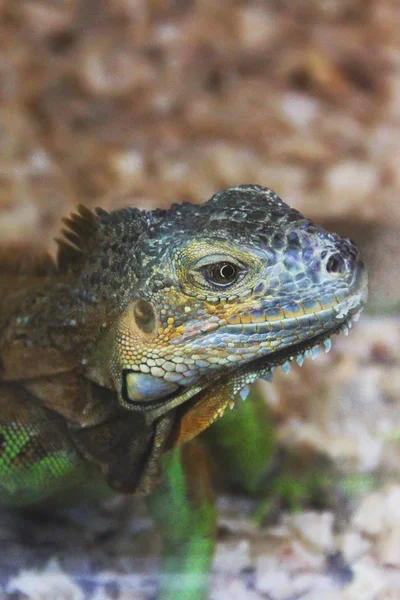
(184, 510)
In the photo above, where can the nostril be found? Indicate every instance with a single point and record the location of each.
(336, 264)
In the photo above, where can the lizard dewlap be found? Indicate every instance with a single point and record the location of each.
(151, 324)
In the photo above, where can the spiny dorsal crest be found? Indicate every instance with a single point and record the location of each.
(88, 233)
(81, 236)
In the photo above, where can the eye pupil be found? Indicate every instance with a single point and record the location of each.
(222, 273)
(227, 271)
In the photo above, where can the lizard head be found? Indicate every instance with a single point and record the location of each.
(179, 310)
(223, 291)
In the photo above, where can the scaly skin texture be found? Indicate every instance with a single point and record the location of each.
(148, 327)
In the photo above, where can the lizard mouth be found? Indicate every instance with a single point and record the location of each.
(259, 367)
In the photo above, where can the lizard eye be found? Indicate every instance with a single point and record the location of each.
(221, 273)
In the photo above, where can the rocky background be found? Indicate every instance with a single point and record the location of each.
(149, 102)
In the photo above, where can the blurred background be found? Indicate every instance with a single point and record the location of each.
(145, 103)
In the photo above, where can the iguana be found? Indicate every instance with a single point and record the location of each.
(146, 328)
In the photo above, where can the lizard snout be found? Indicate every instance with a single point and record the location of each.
(344, 260)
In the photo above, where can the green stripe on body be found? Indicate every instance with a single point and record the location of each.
(30, 471)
